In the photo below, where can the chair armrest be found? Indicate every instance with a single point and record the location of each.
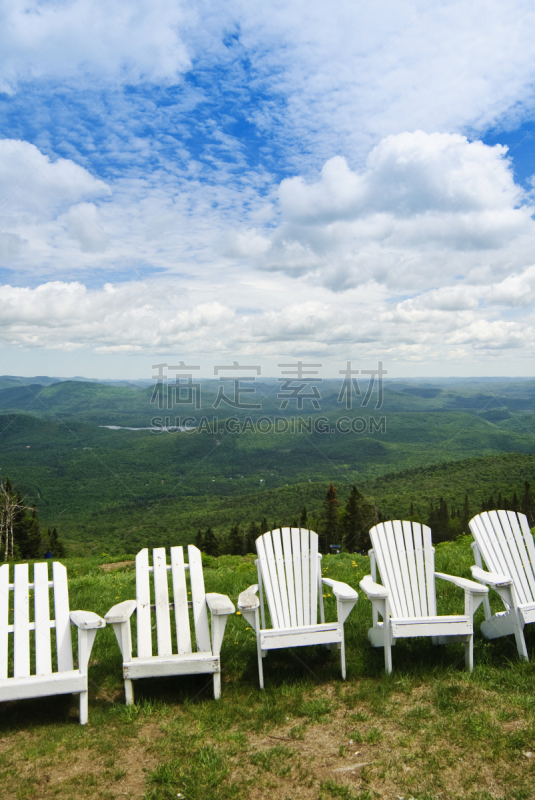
(372, 589)
(121, 612)
(219, 604)
(342, 591)
(463, 583)
(86, 620)
(248, 601)
(490, 578)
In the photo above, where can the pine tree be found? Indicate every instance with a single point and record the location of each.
(264, 527)
(235, 541)
(199, 539)
(330, 520)
(211, 543)
(253, 532)
(528, 504)
(303, 519)
(465, 516)
(56, 547)
(357, 519)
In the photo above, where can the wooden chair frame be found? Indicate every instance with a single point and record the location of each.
(166, 663)
(289, 576)
(505, 543)
(406, 601)
(44, 681)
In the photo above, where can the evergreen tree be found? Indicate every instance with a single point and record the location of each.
(465, 516)
(211, 543)
(330, 520)
(55, 546)
(253, 532)
(411, 511)
(303, 519)
(199, 539)
(264, 527)
(516, 504)
(357, 519)
(235, 541)
(528, 504)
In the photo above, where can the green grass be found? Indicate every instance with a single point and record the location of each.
(428, 730)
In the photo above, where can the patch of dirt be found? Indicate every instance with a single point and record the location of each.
(389, 761)
(127, 565)
(82, 771)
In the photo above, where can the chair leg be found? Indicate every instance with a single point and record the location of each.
(83, 707)
(129, 692)
(261, 655)
(217, 685)
(519, 634)
(343, 657)
(469, 653)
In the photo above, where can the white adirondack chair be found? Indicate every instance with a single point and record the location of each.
(183, 661)
(46, 678)
(505, 542)
(289, 572)
(407, 601)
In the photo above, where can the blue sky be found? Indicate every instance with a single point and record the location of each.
(208, 181)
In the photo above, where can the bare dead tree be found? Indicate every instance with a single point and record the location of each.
(11, 504)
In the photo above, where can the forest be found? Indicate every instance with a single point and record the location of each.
(442, 451)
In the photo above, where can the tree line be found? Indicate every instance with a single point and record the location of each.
(21, 536)
(346, 526)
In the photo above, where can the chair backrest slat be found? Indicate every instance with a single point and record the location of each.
(274, 583)
(144, 627)
(305, 572)
(529, 563)
(180, 596)
(63, 619)
(420, 567)
(298, 575)
(518, 544)
(263, 568)
(429, 558)
(405, 557)
(289, 567)
(380, 541)
(43, 650)
(510, 547)
(198, 596)
(161, 601)
(281, 578)
(21, 622)
(314, 567)
(4, 619)
(411, 563)
(289, 563)
(506, 544)
(403, 576)
(488, 546)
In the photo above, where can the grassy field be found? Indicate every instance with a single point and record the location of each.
(430, 730)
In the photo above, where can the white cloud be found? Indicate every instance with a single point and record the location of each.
(105, 39)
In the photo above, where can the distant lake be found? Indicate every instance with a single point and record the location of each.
(149, 428)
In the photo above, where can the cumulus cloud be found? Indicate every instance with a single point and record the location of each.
(88, 39)
(424, 208)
